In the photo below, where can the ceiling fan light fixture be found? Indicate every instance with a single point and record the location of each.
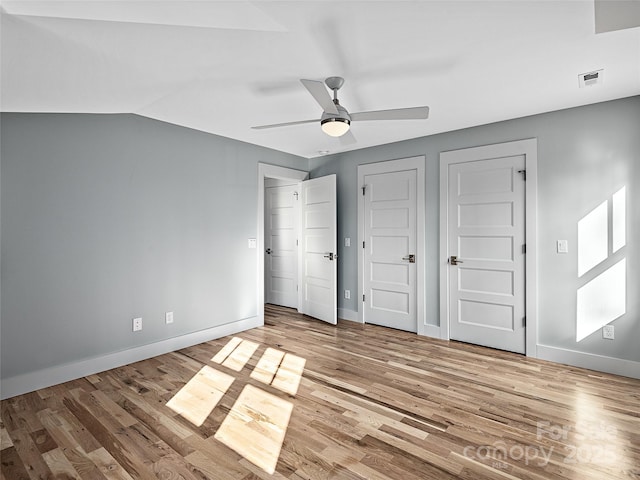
(335, 126)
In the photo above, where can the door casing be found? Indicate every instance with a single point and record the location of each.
(528, 148)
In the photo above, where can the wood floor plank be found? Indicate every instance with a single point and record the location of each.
(366, 402)
(12, 465)
(60, 465)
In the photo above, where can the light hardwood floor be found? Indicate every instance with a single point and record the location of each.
(372, 403)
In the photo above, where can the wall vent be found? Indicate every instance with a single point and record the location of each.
(590, 79)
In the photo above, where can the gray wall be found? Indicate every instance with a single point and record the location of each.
(584, 155)
(110, 217)
(105, 218)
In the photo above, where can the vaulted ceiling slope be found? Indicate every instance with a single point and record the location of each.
(222, 67)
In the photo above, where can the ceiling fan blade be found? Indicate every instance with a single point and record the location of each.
(348, 139)
(287, 124)
(320, 93)
(413, 113)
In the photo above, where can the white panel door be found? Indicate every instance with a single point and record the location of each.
(281, 250)
(318, 293)
(390, 249)
(486, 221)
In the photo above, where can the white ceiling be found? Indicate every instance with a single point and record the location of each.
(222, 67)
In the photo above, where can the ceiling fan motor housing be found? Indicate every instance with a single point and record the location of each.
(343, 115)
(336, 125)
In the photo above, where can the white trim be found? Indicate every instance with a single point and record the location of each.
(47, 377)
(268, 171)
(348, 314)
(528, 148)
(600, 363)
(432, 331)
(412, 163)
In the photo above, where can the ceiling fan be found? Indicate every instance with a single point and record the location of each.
(336, 120)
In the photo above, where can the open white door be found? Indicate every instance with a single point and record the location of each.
(318, 265)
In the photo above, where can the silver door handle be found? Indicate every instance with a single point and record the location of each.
(411, 258)
(329, 255)
(453, 260)
(268, 251)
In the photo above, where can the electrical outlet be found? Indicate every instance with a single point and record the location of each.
(347, 294)
(347, 242)
(137, 324)
(608, 332)
(168, 318)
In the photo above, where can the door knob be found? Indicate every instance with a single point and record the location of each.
(411, 258)
(329, 255)
(454, 260)
(268, 251)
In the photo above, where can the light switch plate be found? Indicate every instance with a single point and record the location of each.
(562, 246)
(608, 332)
(168, 317)
(347, 242)
(252, 243)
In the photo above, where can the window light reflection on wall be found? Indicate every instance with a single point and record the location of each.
(602, 299)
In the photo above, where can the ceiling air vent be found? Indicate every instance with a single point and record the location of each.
(591, 79)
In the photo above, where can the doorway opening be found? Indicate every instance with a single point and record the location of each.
(313, 244)
(269, 175)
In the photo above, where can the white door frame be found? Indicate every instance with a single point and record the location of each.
(268, 171)
(528, 148)
(411, 163)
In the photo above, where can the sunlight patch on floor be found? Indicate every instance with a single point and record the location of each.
(235, 354)
(280, 370)
(255, 427)
(267, 365)
(197, 399)
(289, 374)
(257, 423)
(225, 351)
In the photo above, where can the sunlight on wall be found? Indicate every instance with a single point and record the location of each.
(257, 423)
(602, 299)
(592, 239)
(619, 215)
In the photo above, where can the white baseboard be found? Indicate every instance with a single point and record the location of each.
(617, 366)
(47, 377)
(346, 314)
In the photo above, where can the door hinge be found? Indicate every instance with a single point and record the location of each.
(296, 242)
(295, 194)
(364, 189)
(363, 244)
(524, 174)
(524, 248)
(363, 297)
